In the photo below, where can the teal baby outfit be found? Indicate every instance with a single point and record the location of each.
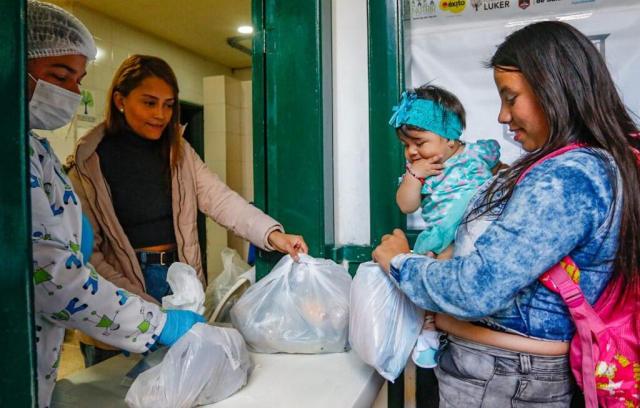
(446, 196)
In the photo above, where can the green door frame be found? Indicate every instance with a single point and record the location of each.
(386, 82)
(386, 159)
(292, 123)
(17, 334)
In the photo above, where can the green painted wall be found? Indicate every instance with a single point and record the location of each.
(18, 385)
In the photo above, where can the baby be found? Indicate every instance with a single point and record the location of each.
(442, 174)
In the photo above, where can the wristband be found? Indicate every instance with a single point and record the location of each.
(420, 179)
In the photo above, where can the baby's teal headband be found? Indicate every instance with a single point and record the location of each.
(426, 114)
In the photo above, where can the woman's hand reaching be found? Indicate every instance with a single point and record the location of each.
(288, 244)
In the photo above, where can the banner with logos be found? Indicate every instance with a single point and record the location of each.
(441, 11)
(448, 42)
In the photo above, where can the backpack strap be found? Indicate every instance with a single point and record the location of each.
(586, 320)
(551, 155)
(574, 298)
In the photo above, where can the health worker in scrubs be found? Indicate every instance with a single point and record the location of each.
(67, 290)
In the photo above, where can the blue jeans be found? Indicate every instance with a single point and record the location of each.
(93, 355)
(155, 279)
(473, 375)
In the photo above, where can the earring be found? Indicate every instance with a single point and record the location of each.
(122, 110)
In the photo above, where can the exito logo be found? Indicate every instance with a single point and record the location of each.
(453, 6)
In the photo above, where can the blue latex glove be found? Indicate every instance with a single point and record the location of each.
(86, 243)
(178, 323)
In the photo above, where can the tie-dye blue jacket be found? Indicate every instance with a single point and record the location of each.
(564, 206)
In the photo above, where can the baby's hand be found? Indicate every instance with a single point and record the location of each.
(427, 167)
(429, 321)
(447, 253)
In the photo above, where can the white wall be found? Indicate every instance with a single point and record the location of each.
(350, 122)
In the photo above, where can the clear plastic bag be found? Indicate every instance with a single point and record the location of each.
(208, 364)
(384, 324)
(233, 267)
(297, 308)
(186, 287)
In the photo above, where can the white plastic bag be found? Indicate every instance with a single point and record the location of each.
(297, 308)
(186, 287)
(232, 269)
(384, 324)
(208, 364)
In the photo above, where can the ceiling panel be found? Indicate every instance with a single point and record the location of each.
(201, 26)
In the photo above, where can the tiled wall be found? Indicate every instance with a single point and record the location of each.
(228, 152)
(240, 157)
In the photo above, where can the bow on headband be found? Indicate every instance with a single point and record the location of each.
(426, 114)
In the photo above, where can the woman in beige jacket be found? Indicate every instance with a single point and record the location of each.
(141, 185)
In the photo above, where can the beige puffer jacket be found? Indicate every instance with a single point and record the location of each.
(194, 187)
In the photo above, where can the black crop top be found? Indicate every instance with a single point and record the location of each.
(139, 179)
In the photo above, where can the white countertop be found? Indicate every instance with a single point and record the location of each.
(277, 380)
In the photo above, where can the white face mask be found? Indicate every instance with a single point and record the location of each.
(51, 106)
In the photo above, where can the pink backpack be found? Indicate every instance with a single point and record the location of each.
(605, 351)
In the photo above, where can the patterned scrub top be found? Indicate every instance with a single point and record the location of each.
(68, 292)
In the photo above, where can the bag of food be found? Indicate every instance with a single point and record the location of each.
(384, 324)
(207, 364)
(299, 307)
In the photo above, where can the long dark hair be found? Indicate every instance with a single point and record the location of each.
(581, 104)
(129, 76)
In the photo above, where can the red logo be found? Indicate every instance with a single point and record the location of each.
(524, 3)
